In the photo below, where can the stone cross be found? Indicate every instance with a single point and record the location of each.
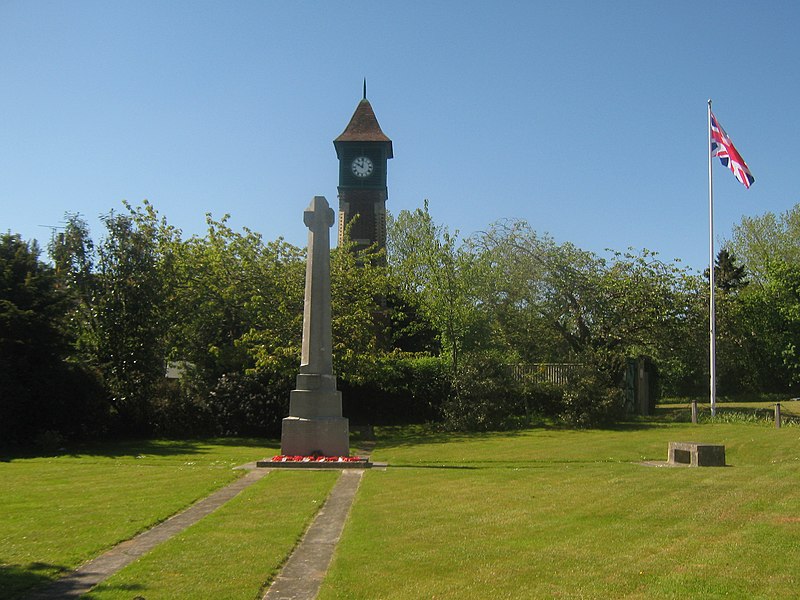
(315, 424)
(317, 336)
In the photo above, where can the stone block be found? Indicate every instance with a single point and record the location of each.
(313, 404)
(328, 436)
(696, 454)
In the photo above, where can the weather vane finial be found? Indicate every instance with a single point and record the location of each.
(365, 88)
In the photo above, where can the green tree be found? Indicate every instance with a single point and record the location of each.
(761, 240)
(428, 263)
(237, 302)
(73, 254)
(31, 302)
(39, 390)
(755, 330)
(544, 286)
(31, 341)
(408, 328)
(743, 320)
(783, 289)
(358, 290)
(728, 275)
(751, 337)
(236, 319)
(581, 307)
(127, 331)
(623, 302)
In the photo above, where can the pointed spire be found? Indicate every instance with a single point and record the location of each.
(364, 127)
(365, 88)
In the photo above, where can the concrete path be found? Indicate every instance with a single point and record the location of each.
(104, 566)
(300, 578)
(303, 573)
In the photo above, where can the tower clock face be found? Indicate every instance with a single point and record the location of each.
(362, 166)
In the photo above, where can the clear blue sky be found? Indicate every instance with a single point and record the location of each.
(587, 119)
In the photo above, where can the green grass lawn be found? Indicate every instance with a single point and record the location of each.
(572, 514)
(233, 552)
(542, 513)
(58, 512)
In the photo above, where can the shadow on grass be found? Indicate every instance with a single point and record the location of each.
(514, 465)
(16, 580)
(72, 586)
(123, 587)
(454, 467)
(400, 436)
(137, 447)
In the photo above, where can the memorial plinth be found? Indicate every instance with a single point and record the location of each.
(696, 454)
(315, 425)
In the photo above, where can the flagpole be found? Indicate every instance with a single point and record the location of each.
(711, 296)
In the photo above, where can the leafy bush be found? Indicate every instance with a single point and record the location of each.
(251, 404)
(593, 395)
(69, 402)
(393, 389)
(178, 411)
(484, 397)
(48, 442)
(541, 400)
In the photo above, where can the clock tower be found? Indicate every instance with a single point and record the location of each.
(362, 150)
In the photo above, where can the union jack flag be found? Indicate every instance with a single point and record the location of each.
(722, 146)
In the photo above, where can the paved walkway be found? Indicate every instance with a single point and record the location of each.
(104, 566)
(303, 573)
(300, 578)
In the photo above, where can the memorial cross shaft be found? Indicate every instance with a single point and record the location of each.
(316, 357)
(315, 424)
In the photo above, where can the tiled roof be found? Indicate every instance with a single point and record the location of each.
(364, 127)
